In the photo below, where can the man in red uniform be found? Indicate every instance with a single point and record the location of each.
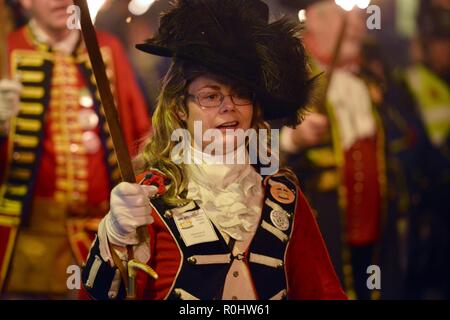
(57, 159)
(340, 150)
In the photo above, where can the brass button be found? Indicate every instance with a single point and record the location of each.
(236, 274)
(177, 294)
(192, 260)
(234, 298)
(168, 214)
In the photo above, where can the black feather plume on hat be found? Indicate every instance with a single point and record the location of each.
(234, 38)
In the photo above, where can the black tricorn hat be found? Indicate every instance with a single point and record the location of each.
(234, 38)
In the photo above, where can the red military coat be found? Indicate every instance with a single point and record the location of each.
(59, 148)
(308, 270)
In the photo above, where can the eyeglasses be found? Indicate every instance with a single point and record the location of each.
(214, 99)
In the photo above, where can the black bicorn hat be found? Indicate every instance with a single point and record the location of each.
(234, 38)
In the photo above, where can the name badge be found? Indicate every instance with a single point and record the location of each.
(195, 227)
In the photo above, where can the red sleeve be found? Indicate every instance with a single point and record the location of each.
(133, 111)
(311, 275)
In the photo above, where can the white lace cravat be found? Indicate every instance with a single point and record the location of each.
(65, 46)
(230, 194)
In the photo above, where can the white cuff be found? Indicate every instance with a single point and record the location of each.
(103, 243)
(141, 251)
(116, 238)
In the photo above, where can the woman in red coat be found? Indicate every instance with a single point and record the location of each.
(223, 221)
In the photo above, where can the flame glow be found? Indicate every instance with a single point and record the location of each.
(362, 4)
(348, 5)
(139, 7)
(94, 7)
(302, 15)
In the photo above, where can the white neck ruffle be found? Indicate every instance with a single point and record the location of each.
(230, 194)
(65, 46)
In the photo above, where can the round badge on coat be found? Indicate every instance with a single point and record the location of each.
(91, 142)
(86, 100)
(87, 119)
(281, 193)
(279, 220)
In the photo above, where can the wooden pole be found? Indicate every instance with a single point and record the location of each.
(106, 96)
(334, 62)
(3, 41)
(112, 118)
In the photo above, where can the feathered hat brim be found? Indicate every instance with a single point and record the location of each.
(235, 39)
(155, 49)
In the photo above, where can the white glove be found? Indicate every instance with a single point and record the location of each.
(130, 209)
(9, 99)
